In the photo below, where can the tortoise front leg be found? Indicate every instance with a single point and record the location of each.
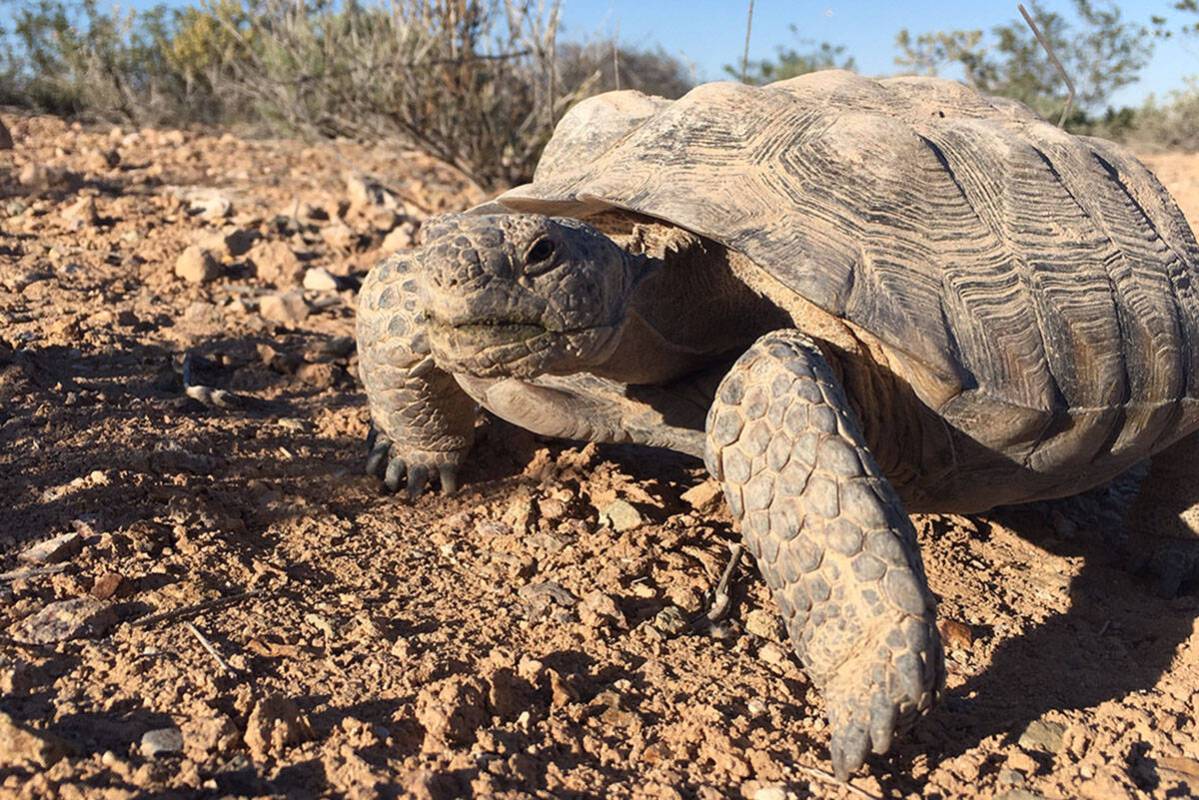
(832, 540)
(422, 422)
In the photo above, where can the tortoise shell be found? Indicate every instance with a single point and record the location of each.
(1020, 268)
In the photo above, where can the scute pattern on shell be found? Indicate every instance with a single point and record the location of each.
(1019, 265)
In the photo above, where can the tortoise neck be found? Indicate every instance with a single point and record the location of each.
(686, 309)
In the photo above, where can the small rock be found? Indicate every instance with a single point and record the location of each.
(102, 159)
(232, 240)
(332, 349)
(24, 748)
(1019, 794)
(510, 694)
(319, 279)
(162, 742)
(17, 676)
(1010, 777)
(275, 724)
(957, 635)
(281, 361)
(598, 607)
(670, 621)
(621, 516)
(772, 654)
(52, 551)
(81, 214)
(365, 191)
(1043, 735)
(108, 585)
(339, 236)
(33, 175)
(520, 512)
(77, 618)
(762, 623)
(451, 711)
(400, 238)
(287, 308)
(703, 496)
(197, 265)
(276, 263)
(321, 376)
(209, 204)
(770, 792)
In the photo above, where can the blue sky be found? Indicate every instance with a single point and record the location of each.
(711, 33)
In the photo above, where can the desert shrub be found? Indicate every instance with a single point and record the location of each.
(1172, 125)
(652, 71)
(74, 58)
(1100, 50)
(473, 82)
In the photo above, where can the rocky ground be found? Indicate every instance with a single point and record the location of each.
(202, 595)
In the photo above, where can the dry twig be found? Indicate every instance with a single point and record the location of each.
(832, 780)
(198, 608)
(207, 645)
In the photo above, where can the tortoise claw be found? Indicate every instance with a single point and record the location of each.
(409, 470)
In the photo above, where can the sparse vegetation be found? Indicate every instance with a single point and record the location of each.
(1101, 51)
(481, 83)
(791, 63)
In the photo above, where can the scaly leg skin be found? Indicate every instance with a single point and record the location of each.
(1163, 522)
(832, 540)
(423, 423)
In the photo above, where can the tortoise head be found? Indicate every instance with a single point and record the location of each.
(522, 295)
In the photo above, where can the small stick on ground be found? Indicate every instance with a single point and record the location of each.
(32, 572)
(207, 645)
(198, 608)
(720, 595)
(831, 780)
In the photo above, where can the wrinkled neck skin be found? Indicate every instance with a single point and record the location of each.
(686, 309)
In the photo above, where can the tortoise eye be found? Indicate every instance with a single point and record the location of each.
(540, 252)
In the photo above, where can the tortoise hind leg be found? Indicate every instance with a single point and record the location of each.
(832, 540)
(1163, 521)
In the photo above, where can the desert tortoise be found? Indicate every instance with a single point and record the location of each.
(853, 298)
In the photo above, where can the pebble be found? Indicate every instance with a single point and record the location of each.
(197, 265)
(339, 236)
(772, 654)
(770, 792)
(321, 376)
(164, 741)
(108, 585)
(762, 623)
(670, 621)
(23, 748)
(319, 279)
(703, 496)
(1043, 735)
(620, 515)
(274, 724)
(81, 214)
(209, 204)
(287, 308)
(364, 190)
(275, 262)
(52, 551)
(61, 621)
(956, 635)
(399, 239)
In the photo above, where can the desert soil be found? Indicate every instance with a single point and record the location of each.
(195, 443)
